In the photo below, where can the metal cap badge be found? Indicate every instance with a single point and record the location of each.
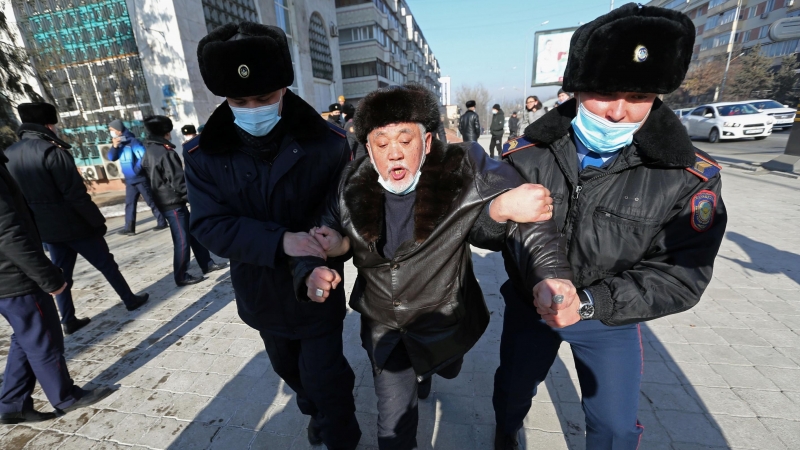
(640, 54)
(244, 71)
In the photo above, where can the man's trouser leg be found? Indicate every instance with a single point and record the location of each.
(147, 195)
(201, 254)
(131, 197)
(36, 352)
(63, 257)
(319, 374)
(492, 144)
(95, 251)
(398, 414)
(180, 243)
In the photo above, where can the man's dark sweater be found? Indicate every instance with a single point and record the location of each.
(398, 223)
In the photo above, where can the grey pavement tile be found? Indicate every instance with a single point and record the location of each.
(460, 385)
(156, 404)
(743, 377)
(792, 353)
(760, 321)
(369, 429)
(721, 354)
(132, 428)
(747, 432)
(653, 431)
(542, 439)
(454, 408)
(691, 428)
(705, 336)
(232, 438)
(163, 433)
(721, 401)
(186, 406)
(543, 416)
(101, 425)
(659, 372)
(178, 381)
(270, 441)
(366, 400)
(72, 421)
(766, 356)
(770, 403)
(79, 443)
(45, 440)
(788, 431)
(197, 436)
(741, 337)
(669, 397)
(208, 383)
(286, 420)
(218, 411)
(781, 338)
(227, 365)
(679, 353)
(686, 319)
(251, 416)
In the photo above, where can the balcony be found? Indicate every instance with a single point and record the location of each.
(724, 7)
(721, 50)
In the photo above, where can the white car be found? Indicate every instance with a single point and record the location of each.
(783, 115)
(718, 121)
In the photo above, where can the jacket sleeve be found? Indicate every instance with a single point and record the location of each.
(476, 125)
(172, 171)
(65, 174)
(25, 253)
(223, 230)
(137, 150)
(114, 153)
(674, 273)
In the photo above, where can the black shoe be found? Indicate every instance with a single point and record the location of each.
(126, 232)
(26, 416)
(424, 388)
(138, 300)
(189, 279)
(314, 437)
(213, 267)
(160, 227)
(504, 441)
(90, 397)
(75, 325)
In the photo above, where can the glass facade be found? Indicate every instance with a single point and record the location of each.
(321, 59)
(221, 12)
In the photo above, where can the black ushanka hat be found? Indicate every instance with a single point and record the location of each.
(631, 49)
(40, 113)
(158, 125)
(244, 59)
(408, 103)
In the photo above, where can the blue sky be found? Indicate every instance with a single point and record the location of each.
(487, 40)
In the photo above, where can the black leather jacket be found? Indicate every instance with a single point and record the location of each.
(164, 171)
(469, 125)
(427, 295)
(643, 232)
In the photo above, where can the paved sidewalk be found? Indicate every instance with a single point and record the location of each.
(192, 376)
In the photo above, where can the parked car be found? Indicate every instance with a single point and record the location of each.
(682, 112)
(783, 115)
(728, 120)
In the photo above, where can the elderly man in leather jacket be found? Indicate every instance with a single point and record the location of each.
(469, 124)
(409, 212)
(640, 208)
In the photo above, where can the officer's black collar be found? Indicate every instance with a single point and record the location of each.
(159, 141)
(42, 132)
(300, 120)
(661, 141)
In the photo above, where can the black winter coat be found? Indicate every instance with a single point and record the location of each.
(513, 125)
(53, 187)
(469, 125)
(164, 171)
(244, 200)
(642, 233)
(498, 123)
(24, 268)
(427, 295)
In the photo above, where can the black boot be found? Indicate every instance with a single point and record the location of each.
(424, 388)
(25, 416)
(126, 232)
(75, 325)
(189, 279)
(314, 437)
(138, 300)
(90, 397)
(503, 441)
(160, 227)
(213, 267)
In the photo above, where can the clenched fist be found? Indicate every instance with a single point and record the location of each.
(557, 315)
(527, 203)
(322, 281)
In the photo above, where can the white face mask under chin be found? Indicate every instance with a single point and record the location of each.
(386, 184)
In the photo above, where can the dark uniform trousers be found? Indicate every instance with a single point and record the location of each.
(396, 389)
(609, 362)
(95, 251)
(36, 353)
(496, 142)
(182, 242)
(132, 193)
(319, 374)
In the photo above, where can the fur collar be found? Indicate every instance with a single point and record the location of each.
(41, 132)
(439, 185)
(662, 140)
(300, 120)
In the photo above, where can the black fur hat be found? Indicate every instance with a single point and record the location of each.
(631, 49)
(244, 59)
(40, 113)
(188, 129)
(408, 103)
(470, 103)
(158, 125)
(334, 107)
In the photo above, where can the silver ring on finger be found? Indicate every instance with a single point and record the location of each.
(319, 292)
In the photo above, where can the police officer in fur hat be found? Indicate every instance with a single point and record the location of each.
(410, 211)
(640, 208)
(265, 162)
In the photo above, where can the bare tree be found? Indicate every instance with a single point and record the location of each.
(480, 94)
(752, 72)
(703, 78)
(785, 79)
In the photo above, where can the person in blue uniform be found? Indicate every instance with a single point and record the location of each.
(36, 352)
(641, 211)
(129, 152)
(69, 222)
(264, 164)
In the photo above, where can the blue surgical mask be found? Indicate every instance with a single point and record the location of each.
(386, 185)
(600, 135)
(257, 121)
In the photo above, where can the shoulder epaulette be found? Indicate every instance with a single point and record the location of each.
(192, 144)
(337, 129)
(515, 145)
(704, 167)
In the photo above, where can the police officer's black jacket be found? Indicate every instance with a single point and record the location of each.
(243, 200)
(24, 268)
(164, 171)
(427, 294)
(470, 126)
(53, 187)
(643, 232)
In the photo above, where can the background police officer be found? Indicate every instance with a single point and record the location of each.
(265, 162)
(641, 211)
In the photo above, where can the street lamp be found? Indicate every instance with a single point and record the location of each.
(731, 41)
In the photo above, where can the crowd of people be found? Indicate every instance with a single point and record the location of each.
(605, 214)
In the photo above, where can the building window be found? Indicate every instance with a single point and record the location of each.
(366, 69)
(763, 32)
(221, 12)
(780, 48)
(282, 14)
(676, 3)
(714, 3)
(365, 33)
(712, 22)
(321, 60)
(727, 16)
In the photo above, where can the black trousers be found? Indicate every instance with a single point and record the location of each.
(319, 374)
(36, 353)
(182, 241)
(396, 389)
(496, 142)
(132, 193)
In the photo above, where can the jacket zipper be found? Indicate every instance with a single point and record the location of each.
(573, 209)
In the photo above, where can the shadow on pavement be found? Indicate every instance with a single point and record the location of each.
(765, 258)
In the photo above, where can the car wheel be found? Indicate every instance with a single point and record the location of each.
(760, 138)
(713, 136)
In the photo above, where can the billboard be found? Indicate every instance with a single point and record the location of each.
(550, 51)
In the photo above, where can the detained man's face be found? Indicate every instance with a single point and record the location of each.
(255, 101)
(618, 107)
(396, 152)
(563, 97)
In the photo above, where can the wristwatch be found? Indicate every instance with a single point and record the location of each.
(586, 308)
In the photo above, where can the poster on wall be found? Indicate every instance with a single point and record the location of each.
(550, 51)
